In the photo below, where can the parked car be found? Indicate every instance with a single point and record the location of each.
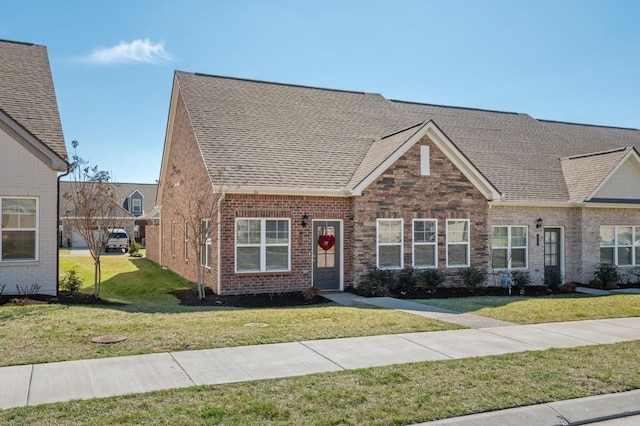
(118, 240)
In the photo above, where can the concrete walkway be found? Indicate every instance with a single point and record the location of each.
(29, 385)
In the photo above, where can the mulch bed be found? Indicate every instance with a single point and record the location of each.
(274, 300)
(64, 298)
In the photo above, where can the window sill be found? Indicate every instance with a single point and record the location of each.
(19, 263)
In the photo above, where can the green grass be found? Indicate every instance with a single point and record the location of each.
(394, 395)
(533, 310)
(153, 321)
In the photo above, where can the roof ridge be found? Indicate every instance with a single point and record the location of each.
(593, 154)
(586, 124)
(455, 107)
(302, 86)
(26, 43)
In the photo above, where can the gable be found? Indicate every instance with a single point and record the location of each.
(623, 183)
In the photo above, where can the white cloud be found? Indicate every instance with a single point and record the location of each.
(136, 51)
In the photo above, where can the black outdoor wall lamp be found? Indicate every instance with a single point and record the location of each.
(305, 219)
(539, 223)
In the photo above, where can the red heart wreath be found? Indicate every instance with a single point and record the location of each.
(326, 242)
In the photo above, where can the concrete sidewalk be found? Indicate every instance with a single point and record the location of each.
(28, 385)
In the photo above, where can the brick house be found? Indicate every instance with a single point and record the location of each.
(315, 187)
(33, 156)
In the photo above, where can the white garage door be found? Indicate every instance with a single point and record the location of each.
(77, 241)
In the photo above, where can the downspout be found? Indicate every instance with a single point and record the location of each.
(58, 226)
(222, 195)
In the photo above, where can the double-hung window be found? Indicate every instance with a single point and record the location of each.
(263, 245)
(458, 243)
(425, 243)
(620, 245)
(186, 240)
(389, 243)
(205, 255)
(509, 247)
(136, 205)
(19, 229)
(173, 238)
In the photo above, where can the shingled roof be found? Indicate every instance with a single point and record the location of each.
(277, 136)
(27, 94)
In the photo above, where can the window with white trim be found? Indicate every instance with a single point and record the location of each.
(205, 252)
(620, 245)
(509, 247)
(390, 243)
(186, 240)
(263, 245)
(19, 229)
(425, 243)
(136, 205)
(424, 160)
(458, 246)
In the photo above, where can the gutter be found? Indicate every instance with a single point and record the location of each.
(58, 226)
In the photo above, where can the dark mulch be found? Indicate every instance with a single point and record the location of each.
(271, 300)
(64, 298)
(449, 292)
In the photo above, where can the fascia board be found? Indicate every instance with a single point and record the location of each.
(33, 144)
(175, 92)
(632, 153)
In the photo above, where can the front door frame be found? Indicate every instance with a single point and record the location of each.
(560, 248)
(340, 245)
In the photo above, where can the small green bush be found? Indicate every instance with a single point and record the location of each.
(311, 293)
(134, 249)
(70, 281)
(406, 282)
(554, 279)
(431, 278)
(473, 277)
(607, 274)
(521, 279)
(376, 283)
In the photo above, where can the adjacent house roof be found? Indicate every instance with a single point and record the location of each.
(279, 137)
(27, 94)
(122, 192)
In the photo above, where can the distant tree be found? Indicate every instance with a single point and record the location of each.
(198, 207)
(91, 206)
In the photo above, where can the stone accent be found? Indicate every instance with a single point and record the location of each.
(402, 192)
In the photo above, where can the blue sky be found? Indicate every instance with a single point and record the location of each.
(113, 62)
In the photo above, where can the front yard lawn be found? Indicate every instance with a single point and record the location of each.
(153, 321)
(533, 310)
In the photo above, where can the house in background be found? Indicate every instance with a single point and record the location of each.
(316, 187)
(135, 201)
(33, 156)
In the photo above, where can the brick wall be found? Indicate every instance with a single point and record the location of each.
(152, 240)
(401, 192)
(280, 206)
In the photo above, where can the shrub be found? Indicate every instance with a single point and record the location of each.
(553, 278)
(567, 288)
(473, 277)
(134, 249)
(311, 293)
(70, 281)
(607, 274)
(376, 283)
(521, 279)
(406, 282)
(431, 278)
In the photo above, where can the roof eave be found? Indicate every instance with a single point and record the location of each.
(310, 192)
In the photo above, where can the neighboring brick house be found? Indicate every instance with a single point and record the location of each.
(33, 156)
(135, 201)
(291, 169)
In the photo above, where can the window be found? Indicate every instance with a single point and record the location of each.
(425, 243)
(136, 205)
(390, 243)
(620, 245)
(173, 238)
(262, 245)
(186, 240)
(509, 247)
(424, 160)
(457, 242)
(205, 254)
(19, 229)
